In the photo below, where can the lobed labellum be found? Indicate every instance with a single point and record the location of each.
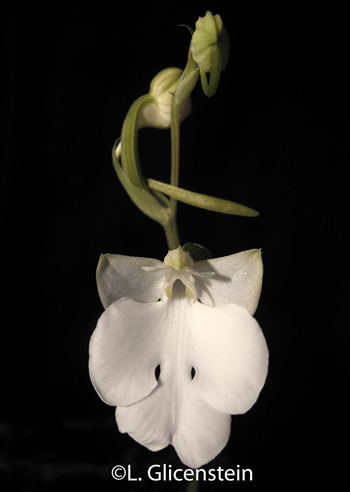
(176, 370)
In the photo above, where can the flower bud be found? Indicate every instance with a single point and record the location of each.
(157, 112)
(210, 40)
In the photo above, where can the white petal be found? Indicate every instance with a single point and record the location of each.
(175, 413)
(148, 421)
(237, 280)
(197, 431)
(125, 350)
(121, 276)
(224, 345)
(202, 432)
(230, 357)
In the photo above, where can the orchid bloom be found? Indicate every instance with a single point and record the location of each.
(191, 322)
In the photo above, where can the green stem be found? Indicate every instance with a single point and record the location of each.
(170, 229)
(175, 151)
(182, 92)
(193, 486)
(171, 234)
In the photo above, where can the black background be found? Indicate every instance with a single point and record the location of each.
(275, 137)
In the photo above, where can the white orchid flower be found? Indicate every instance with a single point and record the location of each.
(192, 323)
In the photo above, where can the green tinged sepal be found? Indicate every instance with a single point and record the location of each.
(210, 48)
(202, 201)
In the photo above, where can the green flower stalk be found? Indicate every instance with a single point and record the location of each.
(166, 105)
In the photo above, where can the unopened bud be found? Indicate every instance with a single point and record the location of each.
(209, 40)
(157, 112)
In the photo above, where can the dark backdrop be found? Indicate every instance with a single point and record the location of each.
(275, 137)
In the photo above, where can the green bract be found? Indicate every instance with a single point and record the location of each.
(202, 201)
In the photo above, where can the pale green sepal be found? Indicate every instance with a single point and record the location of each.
(202, 201)
(154, 205)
